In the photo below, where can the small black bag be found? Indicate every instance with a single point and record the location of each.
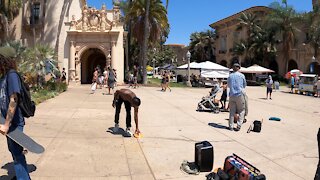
(257, 126)
(27, 106)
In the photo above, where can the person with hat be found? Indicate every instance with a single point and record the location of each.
(10, 88)
(237, 84)
(269, 83)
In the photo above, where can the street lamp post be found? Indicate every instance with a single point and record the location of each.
(188, 73)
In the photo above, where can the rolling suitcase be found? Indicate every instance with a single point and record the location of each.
(204, 156)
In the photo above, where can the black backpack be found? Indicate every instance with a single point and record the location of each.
(26, 105)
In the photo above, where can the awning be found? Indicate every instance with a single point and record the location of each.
(256, 69)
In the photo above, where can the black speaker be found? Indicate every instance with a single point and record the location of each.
(204, 156)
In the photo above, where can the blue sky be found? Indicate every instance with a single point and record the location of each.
(187, 16)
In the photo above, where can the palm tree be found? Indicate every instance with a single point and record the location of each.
(38, 61)
(312, 23)
(149, 22)
(240, 49)
(249, 21)
(283, 19)
(8, 10)
(202, 45)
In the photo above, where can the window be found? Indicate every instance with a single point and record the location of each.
(223, 43)
(35, 14)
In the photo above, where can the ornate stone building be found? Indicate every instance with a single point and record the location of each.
(82, 37)
(301, 55)
(180, 51)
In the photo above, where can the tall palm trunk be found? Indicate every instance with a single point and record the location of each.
(145, 43)
(167, 5)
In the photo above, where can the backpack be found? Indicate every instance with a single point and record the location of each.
(26, 105)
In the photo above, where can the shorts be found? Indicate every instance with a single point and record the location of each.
(269, 90)
(223, 98)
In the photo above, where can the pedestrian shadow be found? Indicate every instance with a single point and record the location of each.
(263, 98)
(219, 126)
(119, 132)
(11, 172)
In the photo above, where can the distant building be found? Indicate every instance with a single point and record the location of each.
(180, 51)
(82, 37)
(301, 55)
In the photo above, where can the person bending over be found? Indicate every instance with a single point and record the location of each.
(129, 99)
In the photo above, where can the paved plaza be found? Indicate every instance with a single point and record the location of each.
(74, 129)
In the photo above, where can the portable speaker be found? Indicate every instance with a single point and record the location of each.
(204, 156)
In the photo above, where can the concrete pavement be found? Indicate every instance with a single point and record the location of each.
(74, 129)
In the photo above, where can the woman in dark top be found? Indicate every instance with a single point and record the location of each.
(223, 98)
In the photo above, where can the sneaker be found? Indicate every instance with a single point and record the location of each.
(116, 128)
(237, 129)
(229, 128)
(128, 132)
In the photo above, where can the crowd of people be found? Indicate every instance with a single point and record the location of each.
(106, 78)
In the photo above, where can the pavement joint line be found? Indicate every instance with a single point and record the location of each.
(282, 106)
(186, 112)
(125, 150)
(51, 142)
(145, 158)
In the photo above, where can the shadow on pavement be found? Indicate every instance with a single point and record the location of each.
(11, 173)
(215, 125)
(119, 132)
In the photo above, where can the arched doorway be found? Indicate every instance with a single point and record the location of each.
(292, 64)
(274, 66)
(223, 63)
(90, 59)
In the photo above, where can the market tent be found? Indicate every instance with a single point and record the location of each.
(208, 69)
(214, 73)
(211, 65)
(256, 69)
(193, 65)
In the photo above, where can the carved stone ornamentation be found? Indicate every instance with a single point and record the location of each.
(92, 20)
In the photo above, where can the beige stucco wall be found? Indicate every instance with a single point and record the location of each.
(301, 54)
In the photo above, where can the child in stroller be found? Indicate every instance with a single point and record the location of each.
(209, 103)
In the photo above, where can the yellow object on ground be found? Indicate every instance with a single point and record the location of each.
(139, 135)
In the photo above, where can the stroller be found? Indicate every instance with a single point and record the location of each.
(208, 103)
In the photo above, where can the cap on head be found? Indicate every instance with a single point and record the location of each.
(236, 65)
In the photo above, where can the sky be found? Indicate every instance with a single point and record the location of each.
(188, 16)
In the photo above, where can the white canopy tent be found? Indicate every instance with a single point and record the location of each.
(208, 69)
(256, 69)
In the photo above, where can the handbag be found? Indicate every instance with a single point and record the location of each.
(94, 86)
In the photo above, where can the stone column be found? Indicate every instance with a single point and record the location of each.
(113, 54)
(108, 59)
(72, 63)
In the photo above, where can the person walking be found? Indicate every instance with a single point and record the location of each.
(237, 84)
(129, 99)
(269, 83)
(10, 85)
(63, 75)
(111, 79)
(135, 76)
(167, 80)
(292, 83)
(318, 87)
(224, 95)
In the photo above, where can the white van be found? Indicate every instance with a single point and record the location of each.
(308, 83)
